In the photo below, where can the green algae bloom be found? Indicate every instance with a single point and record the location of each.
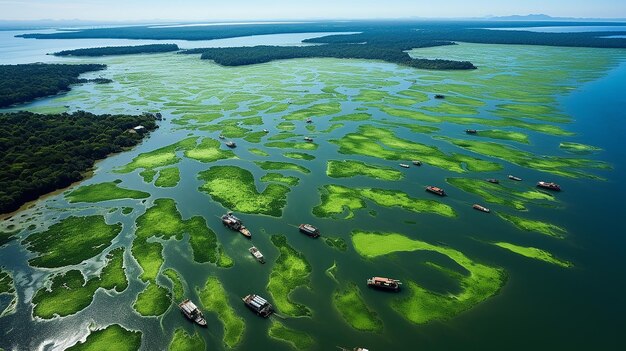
(164, 156)
(104, 192)
(299, 156)
(178, 290)
(154, 300)
(182, 341)
(234, 188)
(349, 168)
(279, 178)
(277, 166)
(71, 241)
(215, 299)
(535, 226)
(355, 311)
(168, 177)
(422, 305)
(292, 145)
(208, 151)
(258, 152)
(298, 340)
(336, 243)
(577, 148)
(291, 271)
(113, 337)
(504, 135)
(534, 253)
(337, 199)
(7, 287)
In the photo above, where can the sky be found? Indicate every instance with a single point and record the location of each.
(232, 10)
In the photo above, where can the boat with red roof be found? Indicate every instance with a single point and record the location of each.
(384, 283)
(436, 190)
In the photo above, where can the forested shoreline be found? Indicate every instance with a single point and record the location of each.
(119, 50)
(43, 153)
(27, 82)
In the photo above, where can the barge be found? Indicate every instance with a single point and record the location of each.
(436, 190)
(384, 283)
(229, 220)
(404, 165)
(231, 144)
(309, 230)
(549, 186)
(258, 305)
(257, 254)
(191, 311)
(471, 131)
(512, 177)
(481, 208)
(493, 180)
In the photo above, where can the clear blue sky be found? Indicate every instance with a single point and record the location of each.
(197, 10)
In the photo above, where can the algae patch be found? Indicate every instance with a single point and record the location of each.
(214, 298)
(534, 253)
(349, 168)
(104, 192)
(354, 310)
(298, 340)
(113, 337)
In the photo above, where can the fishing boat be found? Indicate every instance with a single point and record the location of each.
(404, 165)
(549, 186)
(258, 305)
(384, 283)
(265, 131)
(229, 220)
(221, 136)
(417, 163)
(436, 190)
(493, 180)
(308, 120)
(309, 230)
(257, 254)
(481, 208)
(191, 311)
(231, 144)
(512, 177)
(309, 139)
(471, 131)
(440, 96)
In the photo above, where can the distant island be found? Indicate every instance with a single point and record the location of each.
(24, 83)
(119, 50)
(43, 153)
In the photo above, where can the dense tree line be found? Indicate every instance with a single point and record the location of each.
(119, 50)
(42, 153)
(391, 53)
(23, 83)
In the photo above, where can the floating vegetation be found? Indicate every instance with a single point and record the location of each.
(168, 177)
(336, 243)
(234, 188)
(69, 293)
(352, 117)
(215, 299)
(500, 194)
(288, 126)
(104, 192)
(296, 338)
(331, 272)
(282, 136)
(127, 210)
(182, 341)
(7, 236)
(163, 221)
(350, 168)
(299, 156)
(291, 271)
(279, 178)
(113, 337)
(422, 305)
(535, 253)
(276, 166)
(354, 311)
(178, 291)
(535, 226)
(208, 151)
(258, 152)
(332, 128)
(154, 300)
(577, 148)
(315, 111)
(381, 143)
(504, 135)
(164, 156)
(7, 287)
(337, 199)
(563, 166)
(71, 241)
(292, 145)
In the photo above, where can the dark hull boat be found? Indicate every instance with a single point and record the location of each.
(309, 230)
(258, 305)
(384, 283)
(471, 131)
(229, 220)
(191, 311)
(481, 208)
(436, 190)
(493, 180)
(549, 186)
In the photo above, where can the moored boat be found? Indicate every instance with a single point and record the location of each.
(417, 163)
(258, 305)
(191, 311)
(384, 283)
(309, 139)
(481, 208)
(221, 136)
(436, 190)
(231, 144)
(493, 180)
(404, 165)
(229, 220)
(512, 177)
(257, 254)
(245, 232)
(549, 186)
(440, 96)
(309, 230)
(309, 120)
(471, 131)
(265, 131)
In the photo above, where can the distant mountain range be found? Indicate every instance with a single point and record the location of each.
(547, 18)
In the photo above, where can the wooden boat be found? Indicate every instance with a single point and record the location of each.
(549, 186)
(257, 254)
(471, 131)
(436, 190)
(245, 232)
(229, 220)
(309, 139)
(493, 180)
(309, 230)
(417, 163)
(481, 208)
(258, 305)
(384, 283)
(231, 144)
(404, 165)
(512, 177)
(191, 311)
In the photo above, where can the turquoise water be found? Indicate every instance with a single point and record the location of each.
(541, 306)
